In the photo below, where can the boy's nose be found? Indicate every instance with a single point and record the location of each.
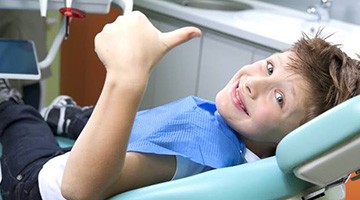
(256, 86)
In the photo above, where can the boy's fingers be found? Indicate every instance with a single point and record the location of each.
(176, 37)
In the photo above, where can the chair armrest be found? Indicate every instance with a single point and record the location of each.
(257, 180)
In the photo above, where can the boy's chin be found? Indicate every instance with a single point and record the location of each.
(220, 97)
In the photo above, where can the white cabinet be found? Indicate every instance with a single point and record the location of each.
(175, 76)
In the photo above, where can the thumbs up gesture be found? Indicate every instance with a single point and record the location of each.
(130, 46)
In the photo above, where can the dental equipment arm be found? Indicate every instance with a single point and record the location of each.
(55, 46)
(43, 7)
(125, 5)
(89, 6)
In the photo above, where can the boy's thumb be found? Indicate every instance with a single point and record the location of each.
(176, 37)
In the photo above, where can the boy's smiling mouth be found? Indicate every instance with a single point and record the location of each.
(238, 100)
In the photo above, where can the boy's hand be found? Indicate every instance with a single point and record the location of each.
(130, 46)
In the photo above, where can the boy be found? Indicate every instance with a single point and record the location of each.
(261, 104)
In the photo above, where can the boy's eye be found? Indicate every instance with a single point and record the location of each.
(270, 68)
(279, 98)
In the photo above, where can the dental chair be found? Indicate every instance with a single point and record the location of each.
(312, 162)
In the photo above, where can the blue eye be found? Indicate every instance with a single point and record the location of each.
(270, 68)
(279, 98)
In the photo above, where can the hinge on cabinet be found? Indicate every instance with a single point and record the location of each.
(357, 176)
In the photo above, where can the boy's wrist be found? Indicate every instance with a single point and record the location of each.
(127, 83)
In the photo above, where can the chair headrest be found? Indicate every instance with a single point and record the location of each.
(330, 129)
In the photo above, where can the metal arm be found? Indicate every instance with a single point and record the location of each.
(125, 5)
(54, 47)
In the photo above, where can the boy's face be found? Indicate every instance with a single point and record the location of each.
(265, 100)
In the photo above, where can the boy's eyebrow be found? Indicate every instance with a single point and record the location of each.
(292, 91)
(293, 94)
(276, 58)
(279, 61)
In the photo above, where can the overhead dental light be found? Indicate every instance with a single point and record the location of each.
(69, 13)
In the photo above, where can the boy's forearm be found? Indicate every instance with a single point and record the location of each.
(105, 136)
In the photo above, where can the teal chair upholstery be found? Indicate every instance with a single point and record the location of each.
(65, 142)
(324, 149)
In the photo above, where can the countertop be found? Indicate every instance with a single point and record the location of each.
(266, 24)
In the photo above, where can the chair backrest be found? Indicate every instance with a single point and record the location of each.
(326, 148)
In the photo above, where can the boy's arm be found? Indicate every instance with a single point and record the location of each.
(128, 48)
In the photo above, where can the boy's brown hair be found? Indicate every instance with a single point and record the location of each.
(332, 75)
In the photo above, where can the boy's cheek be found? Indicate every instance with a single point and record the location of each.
(264, 119)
